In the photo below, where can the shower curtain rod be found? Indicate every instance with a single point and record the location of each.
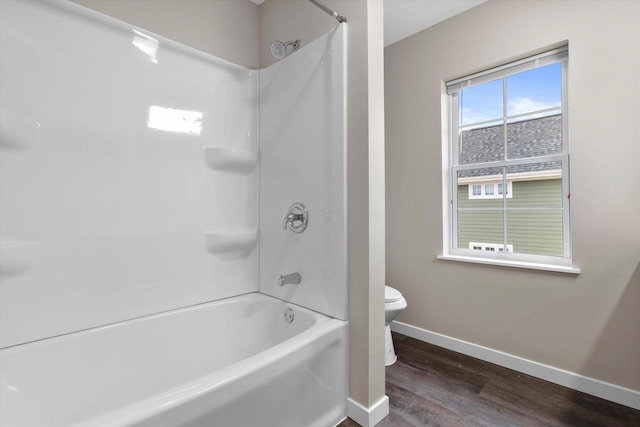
(328, 11)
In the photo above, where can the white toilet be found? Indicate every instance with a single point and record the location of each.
(394, 303)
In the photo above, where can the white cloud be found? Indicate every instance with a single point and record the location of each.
(520, 105)
(525, 105)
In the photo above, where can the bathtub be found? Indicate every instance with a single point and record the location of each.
(233, 362)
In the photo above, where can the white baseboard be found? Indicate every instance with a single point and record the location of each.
(612, 392)
(368, 417)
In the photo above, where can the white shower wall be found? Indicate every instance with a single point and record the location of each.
(303, 159)
(129, 176)
(111, 205)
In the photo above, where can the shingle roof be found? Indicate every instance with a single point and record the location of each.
(527, 138)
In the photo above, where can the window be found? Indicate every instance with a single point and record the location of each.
(491, 247)
(508, 162)
(487, 190)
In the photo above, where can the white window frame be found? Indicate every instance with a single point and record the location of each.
(451, 251)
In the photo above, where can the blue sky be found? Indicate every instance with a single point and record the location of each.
(527, 91)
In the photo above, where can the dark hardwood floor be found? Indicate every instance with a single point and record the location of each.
(432, 386)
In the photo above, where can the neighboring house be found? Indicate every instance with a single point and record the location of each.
(533, 200)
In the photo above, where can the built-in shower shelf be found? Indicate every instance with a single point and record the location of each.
(228, 241)
(237, 160)
(16, 256)
(18, 132)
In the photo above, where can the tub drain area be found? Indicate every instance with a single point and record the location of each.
(289, 315)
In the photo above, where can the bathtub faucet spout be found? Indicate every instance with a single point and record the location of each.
(289, 278)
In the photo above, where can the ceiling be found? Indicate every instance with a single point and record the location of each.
(403, 18)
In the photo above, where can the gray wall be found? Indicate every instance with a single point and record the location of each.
(587, 324)
(227, 29)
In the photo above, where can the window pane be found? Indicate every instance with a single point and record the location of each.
(537, 232)
(535, 89)
(532, 136)
(534, 214)
(482, 144)
(488, 189)
(480, 175)
(470, 183)
(485, 226)
(481, 103)
(535, 185)
(480, 219)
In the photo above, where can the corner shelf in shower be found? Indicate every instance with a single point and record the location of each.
(230, 241)
(16, 256)
(236, 160)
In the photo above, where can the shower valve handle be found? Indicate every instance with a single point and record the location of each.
(296, 218)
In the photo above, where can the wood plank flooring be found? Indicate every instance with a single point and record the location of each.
(432, 386)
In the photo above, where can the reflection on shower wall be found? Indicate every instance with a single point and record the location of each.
(128, 179)
(302, 159)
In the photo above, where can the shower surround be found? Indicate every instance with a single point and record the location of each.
(130, 186)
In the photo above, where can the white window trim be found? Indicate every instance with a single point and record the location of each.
(449, 200)
(532, 263)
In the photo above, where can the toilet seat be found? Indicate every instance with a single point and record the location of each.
(391, 294)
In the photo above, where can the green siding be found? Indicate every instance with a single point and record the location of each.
(480, 226)
(534, 218)
(543, 193)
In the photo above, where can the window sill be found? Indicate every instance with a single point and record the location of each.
(568, 269)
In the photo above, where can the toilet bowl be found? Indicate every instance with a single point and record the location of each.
(394, 303)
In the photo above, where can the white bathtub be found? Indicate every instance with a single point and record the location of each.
(234, 362)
